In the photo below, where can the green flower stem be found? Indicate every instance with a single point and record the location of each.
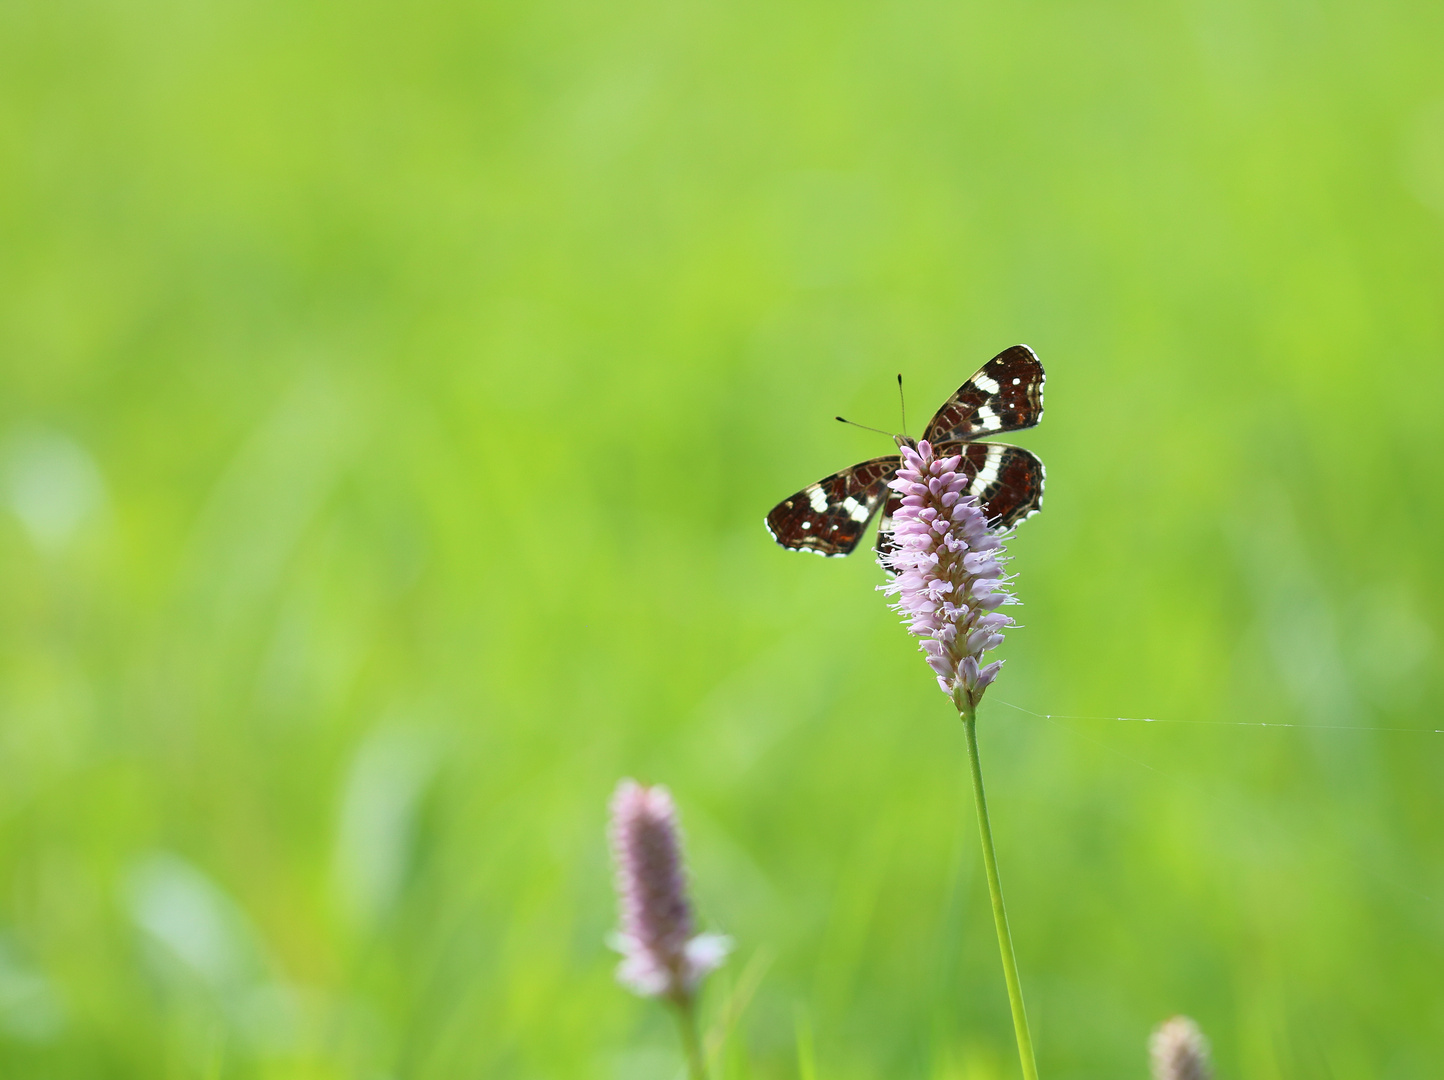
(685, 1009)
(968, 711)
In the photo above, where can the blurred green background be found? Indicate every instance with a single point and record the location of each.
(392, 394)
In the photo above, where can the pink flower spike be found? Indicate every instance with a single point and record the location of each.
(947, 573)
(661, 957)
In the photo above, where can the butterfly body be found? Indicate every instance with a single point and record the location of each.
(1005, 394)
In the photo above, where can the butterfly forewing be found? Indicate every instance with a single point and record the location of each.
(829, 517)
(1005, 394)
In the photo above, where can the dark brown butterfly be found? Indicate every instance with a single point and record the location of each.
(1005, 394)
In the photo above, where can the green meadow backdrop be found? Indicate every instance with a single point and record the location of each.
(390, 397)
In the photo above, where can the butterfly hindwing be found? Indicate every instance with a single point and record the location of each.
(1005, 394)
(1006, 480)
(829, 517)
(883, 542)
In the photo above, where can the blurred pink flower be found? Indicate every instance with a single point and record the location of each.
(1179, 1051)
(661, 956)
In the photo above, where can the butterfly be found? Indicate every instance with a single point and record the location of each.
(1005, 394)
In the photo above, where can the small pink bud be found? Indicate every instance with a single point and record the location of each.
(1179, 1051)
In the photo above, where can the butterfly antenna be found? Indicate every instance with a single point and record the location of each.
(864, 427)
(902, 403)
